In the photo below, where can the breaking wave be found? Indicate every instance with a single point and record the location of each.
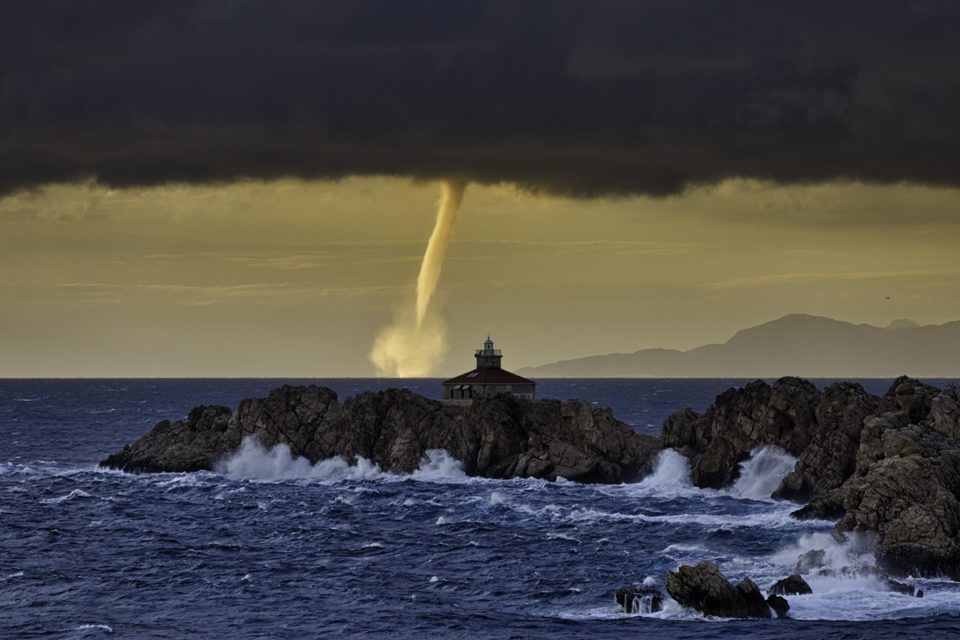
(762, 472)
(671, 475)
(253, 461)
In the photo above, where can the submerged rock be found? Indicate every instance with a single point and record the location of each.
(639, 600)
(792, 585)
(899, 587)
(810, 561)
(498, 437)
(705, 589)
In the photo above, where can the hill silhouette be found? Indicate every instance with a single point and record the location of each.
(796, 344)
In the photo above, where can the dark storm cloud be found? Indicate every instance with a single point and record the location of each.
(573, 97)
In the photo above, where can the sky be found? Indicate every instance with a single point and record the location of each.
(219, 188)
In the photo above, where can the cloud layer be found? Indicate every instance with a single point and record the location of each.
(573, 97)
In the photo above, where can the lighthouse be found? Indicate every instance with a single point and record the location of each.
(488, 379)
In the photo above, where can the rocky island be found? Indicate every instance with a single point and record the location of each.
(886, 465)
(497, 437)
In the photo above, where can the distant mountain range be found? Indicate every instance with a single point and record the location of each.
(797, 344)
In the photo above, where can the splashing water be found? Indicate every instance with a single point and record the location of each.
(253, 461)
(671, 475)
(762, 472)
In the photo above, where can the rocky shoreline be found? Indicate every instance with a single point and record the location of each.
(886, 466)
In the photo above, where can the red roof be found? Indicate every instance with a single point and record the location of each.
(488, 375)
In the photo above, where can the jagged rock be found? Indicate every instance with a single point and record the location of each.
(909, 496)
(180, 447)
(792, 585)
(831, 456)
(945, 412)
(705, 589)
(910, 399)
(497, 437)
(739, 421)
(639, 600)
(779, 605)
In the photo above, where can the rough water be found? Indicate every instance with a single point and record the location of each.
(270, 546)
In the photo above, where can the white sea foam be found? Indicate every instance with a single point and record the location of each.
(73, 495)
(847, 585)
(497, 497)
(253, 461)
(855, 555)
(762, 472)
(777, 517)
(95, 627)
(439, 466)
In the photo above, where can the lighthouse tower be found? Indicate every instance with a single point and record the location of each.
(488, 357)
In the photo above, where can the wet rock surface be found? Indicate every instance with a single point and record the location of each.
(791, 586)
(779, 605)
(704, 588)
(499, 437)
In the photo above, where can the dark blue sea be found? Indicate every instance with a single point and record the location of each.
(272, 547)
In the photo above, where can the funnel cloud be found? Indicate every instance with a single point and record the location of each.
(415, 342)
(451, 196)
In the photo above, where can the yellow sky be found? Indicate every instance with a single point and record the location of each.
(296, 278)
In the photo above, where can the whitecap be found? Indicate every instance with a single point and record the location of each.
(95, 627)
(76, 493)
(496, 497)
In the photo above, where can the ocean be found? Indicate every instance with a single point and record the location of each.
(272, 547)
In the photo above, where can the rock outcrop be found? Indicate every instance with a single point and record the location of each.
(793, 585)
(705, 589)
(779, 605)
(739, 421)
(499, 437)
(888, 465)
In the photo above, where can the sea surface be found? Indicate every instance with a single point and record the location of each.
(272, 547)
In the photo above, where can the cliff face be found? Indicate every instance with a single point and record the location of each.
(890, 464)
(498, 437)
